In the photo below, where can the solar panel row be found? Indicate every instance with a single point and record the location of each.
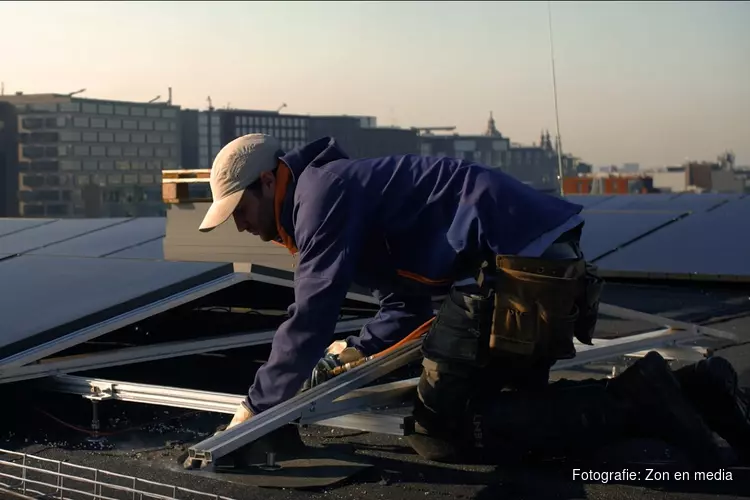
(64, 275)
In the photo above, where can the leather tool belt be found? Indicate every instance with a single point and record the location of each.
(541, 305)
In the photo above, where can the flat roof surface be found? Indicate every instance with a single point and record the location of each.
(396, 471)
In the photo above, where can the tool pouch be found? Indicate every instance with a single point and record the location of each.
(535, 307)
(461, 330)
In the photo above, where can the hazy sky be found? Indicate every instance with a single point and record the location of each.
(637, 82)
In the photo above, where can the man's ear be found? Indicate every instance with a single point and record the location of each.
(268, 181)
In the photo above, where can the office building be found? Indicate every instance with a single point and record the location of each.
(79, 157)
(204, 133)
(491, 148)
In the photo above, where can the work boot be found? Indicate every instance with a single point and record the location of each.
(567, 419)
(711, 385)
(662, 410)
(430, 439)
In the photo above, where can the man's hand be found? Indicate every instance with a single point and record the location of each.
(329, 362)
(336, 347)
(243, 413)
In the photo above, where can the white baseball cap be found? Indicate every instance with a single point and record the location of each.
(238, 165)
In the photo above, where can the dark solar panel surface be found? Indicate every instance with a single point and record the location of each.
(108, 240)
(606, 231)
(707, 243)
(8, 226)
(153, 250)
(48, 234)
(46, 297)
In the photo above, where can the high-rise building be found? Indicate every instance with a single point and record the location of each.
(80, 157)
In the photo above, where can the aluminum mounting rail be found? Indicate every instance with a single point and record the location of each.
(164, 350)
(218, 402)
(204, 453)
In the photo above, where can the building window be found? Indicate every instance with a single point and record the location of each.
(114, 151)
(145, 125)
(89, 107)
(214, 121)
(162, 126)
(32, 180)
(106, 137)
(70, 136)
(172, 127)
(146, 178)
(80, 122)
(153, 138)
(90, 137)
(122, 137)
(153, 165)
(203, 141)
(106, 109)
(237, 121)
(168, 139)
(153, 112)
(98, 123)
(114, 123)
(130, 179)
(145, 152)
(82, 180)
(122, 110)
(114, 179)
(81, 150)
(168, 113)
(69, 165)
(70, 107)
(130, 151)
(98, 151)
(130, 124)
(90, 165)
(138, 138)
(137, 111)
(122, 165)
(106, 165)
(162, 152)
(62, 150)
(170, 164)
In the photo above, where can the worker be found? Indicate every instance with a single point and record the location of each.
(411, 227)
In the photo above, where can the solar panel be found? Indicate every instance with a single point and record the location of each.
(652, 201)
(108, 240)
(153, 250)
(606, 231)
(714, 244)
(679, 202)
(587, 200)
(8, 226)
(54, 232)
(53, 296)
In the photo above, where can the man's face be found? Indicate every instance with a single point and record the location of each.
(255, 212)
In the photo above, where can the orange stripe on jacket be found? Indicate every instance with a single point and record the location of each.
(283, 177)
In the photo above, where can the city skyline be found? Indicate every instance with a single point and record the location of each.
(647, 83)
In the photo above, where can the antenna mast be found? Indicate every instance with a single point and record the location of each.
(554, 91)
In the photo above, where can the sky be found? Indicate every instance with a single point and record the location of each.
(653, 83)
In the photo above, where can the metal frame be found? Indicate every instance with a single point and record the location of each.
(338, 402)
(164, 350)
(69, 479)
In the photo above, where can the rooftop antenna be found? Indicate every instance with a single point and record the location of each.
(154, 99)
(283, 105)
(76, 92)
(554, 91)
(2, 88)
